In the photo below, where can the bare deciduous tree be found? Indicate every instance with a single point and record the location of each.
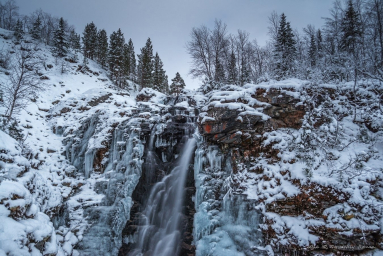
(273, 26)
(201, 52)
(10, 14)
(23, 82)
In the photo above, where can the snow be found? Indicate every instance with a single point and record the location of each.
(8, 143)
(306, 156)
(40, 186)
(79, 112)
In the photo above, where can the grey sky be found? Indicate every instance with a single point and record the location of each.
(168, 22)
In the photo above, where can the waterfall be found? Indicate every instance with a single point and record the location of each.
(160, 235)
(151, 161)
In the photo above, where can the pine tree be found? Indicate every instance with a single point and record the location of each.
(284, 51)
(60, 42)
(19, 32)
(89, 40)
(74, 41)
(290, 49)
(36, 29)
(319, 42)
(159, 76)
(132, 61)
(312, 51)
(129, 61)
(116, 58)
(145, 63)
(126, 61)
(177, 85)
(351, 28)
(102, 47)
(232, 69)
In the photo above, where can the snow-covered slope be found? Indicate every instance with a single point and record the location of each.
(39, 191)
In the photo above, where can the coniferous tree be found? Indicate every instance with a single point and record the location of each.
(89, 40)
(60, 42)
(284, 51)
(291, 46)
(351, 28)
(232, 69)
(36, 29)
(319, 42)
(145, 65)
(132, 61)
(74, 41)
(129, 61)
(19, 32)
(126, 61)
(116, 58)
(159, 76)
(102, 47)
(312, 51)
(177, 85)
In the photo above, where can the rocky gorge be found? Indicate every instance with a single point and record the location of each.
(276, 168)
(220, 215)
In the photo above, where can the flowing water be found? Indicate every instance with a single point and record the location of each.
(161, 233)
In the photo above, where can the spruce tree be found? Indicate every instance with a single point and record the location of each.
(102, 47)
(89, 40)
(36, 29)
(74, 41)
(312, 51)
(129, 61)
(177, 85)
(159, 83)
(284, 51)
(351, 28)
(319, 42)
(290, 47)
(145, 63)
(132, 61)
(116, 58)
(126, 61)
(60, 42)
(19, 32)
(232, 69)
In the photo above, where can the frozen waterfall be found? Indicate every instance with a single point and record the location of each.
(160, 233)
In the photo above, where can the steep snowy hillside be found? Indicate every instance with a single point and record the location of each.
(37, 177)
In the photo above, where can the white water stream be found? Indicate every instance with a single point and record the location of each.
(160, 235)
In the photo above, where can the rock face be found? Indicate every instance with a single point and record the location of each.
(164, 141)
(235, 125)
(232, 133)
(241, 154)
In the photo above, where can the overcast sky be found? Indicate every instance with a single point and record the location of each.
(168, 22)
